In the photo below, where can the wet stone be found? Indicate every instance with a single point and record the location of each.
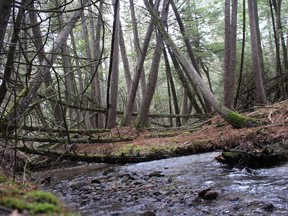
(269, 207)
(95, 181)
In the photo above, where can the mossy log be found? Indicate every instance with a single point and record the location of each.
(256, 159)
(109, 159)
(80, 140)
(240, 121)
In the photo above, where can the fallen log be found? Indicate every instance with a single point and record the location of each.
(109, 159)
(77, 140)
(256, 159)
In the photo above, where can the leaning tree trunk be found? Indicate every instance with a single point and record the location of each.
(142, 117)
(235, 119)
(191, 54)
(126, 119)
(26, 96)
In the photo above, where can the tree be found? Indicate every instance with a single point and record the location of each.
(230, 51)
(27, 94)
(126, 119)
(235, 119)
(142, 117)
(257, 57)
(5, 10)
(112, 87)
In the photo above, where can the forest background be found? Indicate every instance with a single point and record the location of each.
(68, 67)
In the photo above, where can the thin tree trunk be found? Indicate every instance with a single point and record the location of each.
(185, 82)
(126, 119)
(242, 54)
(230, 51)
(125, 60)
(142, 117)
(96, 59)
(112, 87)
(256, 52)
(12, 48)
(38, 42)
(5, 10)
(27, 95)
(172, 86)
(192, 57)
(137, 47)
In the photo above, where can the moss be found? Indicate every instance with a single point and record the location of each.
(41, 208)
(13, 203)
(237, 120)
(2, 178)
(240, 121)
(42, 197)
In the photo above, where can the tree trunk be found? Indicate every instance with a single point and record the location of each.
(125, 60)
(230, 52)
(142, 117)
(137, 47)
(192, 57)
(28, 94)
(236, 120)
(112, 87)
(258, 66)
(5, 9)
(98, 118)
(126, 119)
(185, 82)
(13, 44)
(173, 90)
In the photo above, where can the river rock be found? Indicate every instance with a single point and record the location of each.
(208, 194)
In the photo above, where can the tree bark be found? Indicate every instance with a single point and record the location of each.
(13, 44)
(126, 119)
(97, 51)
(173, 90)
(5, 10)
(112, 86)
(137, 47)
(230, 52)
(257, 57)
(142, 117)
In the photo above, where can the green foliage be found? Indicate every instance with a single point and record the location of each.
(42, 197)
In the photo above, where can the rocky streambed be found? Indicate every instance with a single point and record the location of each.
(172, 187)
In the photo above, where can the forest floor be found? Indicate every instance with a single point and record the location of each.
(204, 136)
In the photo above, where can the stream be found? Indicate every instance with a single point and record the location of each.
(170, 187)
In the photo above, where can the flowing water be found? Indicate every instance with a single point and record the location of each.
(171, 187)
